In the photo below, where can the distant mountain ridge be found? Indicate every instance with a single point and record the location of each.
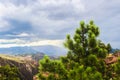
(48, 50)
(17, 50)
(114, 50)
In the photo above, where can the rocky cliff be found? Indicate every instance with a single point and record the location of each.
(27, 67)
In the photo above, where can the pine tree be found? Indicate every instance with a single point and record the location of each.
(84, 60)
(85, 42)
(116, 71)
(9, 73)
(109, 47)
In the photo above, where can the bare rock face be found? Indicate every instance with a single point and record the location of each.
(27, 68)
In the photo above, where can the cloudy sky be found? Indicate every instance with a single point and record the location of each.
(46, 22)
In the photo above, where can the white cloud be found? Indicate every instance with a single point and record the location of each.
(21, 43)
(11, 41)
(46, 42)
(75, 3)
(21, 35)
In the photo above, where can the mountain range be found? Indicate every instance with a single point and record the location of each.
(48, 50)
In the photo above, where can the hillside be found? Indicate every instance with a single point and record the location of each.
(36, 56)
(26, 67)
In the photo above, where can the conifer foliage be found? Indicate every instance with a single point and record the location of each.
(84, 60)
(9, 73)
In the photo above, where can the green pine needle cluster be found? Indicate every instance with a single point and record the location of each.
(9, 73)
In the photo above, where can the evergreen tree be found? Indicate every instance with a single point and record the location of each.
(116, 72)
(9, 73)
(84, 60)
(109, 47)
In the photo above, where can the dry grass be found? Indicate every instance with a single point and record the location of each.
(10, 57)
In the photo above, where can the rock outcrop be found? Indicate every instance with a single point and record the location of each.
(27, 68)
